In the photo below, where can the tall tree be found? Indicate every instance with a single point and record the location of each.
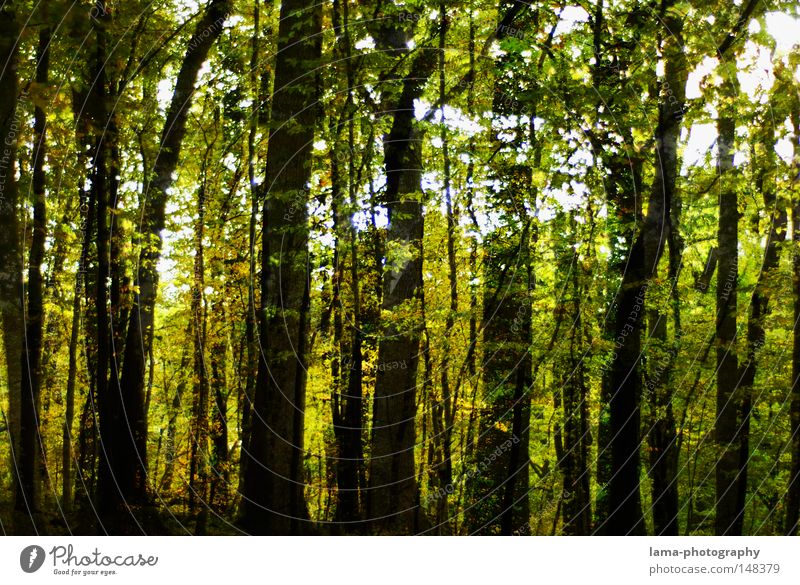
(619, 507)
(10, 246)
(660, 231)
(273, 493)
(127, 470)
(792, 521)
(30, 452)
(392, 498)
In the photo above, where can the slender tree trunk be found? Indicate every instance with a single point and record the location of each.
(729, 517)
(498, 495)
(171, 450)
(619, 510)
(273, 499)
(10, 247)
(30, 452)
(449, 398)
(113, 479)
(497, 498)
(792, 523)
(659, 228)
(130, 463)
(572, 399)
(252, 318)
(198, 467)
(219, 430)
(348, 403)
(759, 303)
(69, 410)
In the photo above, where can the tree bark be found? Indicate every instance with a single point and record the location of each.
(759, 303)
(130, 463)
(11, 306)
(198, 466)
(30, 453)
(792, 522)
(659, 228)
(619, 510)
(392, 497)
(273, 497)
(728, 515)
(498, 492)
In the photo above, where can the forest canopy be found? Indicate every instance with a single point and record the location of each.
(413, 267)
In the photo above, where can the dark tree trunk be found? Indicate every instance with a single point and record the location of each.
(619, 510)
(729, 517)
(171, 449)
(251, 321)
(347, 365)
(130, 462)
(497, 499)
(445, 410)
(219, 429)
(10, 250)
(198, 466)
(273, 499)
(792, 523)
(113, 478)
(72, 371)
(659, 228)
(727, 428)
(498, 494)
(392, 497)
(572, 398)
(30, 454)
(759, 303)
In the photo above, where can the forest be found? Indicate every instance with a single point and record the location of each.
(422, 267)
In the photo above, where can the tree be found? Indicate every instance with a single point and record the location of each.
(272, 496)
(10, 247)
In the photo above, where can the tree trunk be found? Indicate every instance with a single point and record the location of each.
(11, 308)
(446, 410)
(619, 510)
(792, 523)
(198, 466)
(728, 515)
(30, 453)
(759, 302)
(659, 228)
(498, 494)
(251, 321)
(572, 399)
(273, 499)
(392, 497)
(130, 463)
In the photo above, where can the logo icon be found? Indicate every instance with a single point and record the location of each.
(31, 558)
